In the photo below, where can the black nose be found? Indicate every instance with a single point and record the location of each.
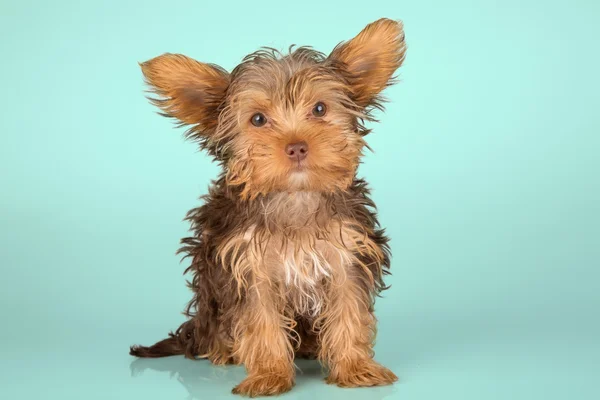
(297, 151)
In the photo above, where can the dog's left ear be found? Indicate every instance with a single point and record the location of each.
(371, 58)
(187, 89)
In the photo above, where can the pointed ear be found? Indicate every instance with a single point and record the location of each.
(188, 90)
(371, 58)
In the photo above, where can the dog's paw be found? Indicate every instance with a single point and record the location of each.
(360, 374)
(264, 385)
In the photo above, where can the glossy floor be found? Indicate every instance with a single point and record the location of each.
(449, 355)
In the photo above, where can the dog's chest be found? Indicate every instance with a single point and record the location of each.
(304, 272)
(297, 246)
(307, 266)
(310, 245)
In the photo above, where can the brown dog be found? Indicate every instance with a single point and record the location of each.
(287, 255)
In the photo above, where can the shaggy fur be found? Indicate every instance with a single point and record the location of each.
(287, 255)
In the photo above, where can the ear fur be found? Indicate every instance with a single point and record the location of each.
(371, 58)
(187, 90)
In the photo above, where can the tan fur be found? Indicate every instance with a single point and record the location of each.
(263, 168)
(193, 90)
(220, 353)
(261, 343)
(348, 329)
(315, 280)
(372, 57)
(297, 250)
(287, 253)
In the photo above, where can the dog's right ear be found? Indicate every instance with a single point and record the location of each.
(188, 90)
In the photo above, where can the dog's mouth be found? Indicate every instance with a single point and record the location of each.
(298, 177)
(299, 166)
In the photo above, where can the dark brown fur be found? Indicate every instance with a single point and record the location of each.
(247, 307)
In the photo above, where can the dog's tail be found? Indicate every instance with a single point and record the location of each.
(180, 342)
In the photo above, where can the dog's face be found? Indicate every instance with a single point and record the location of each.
(283, 122)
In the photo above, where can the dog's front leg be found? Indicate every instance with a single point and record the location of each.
(347, 336)
(261, 343)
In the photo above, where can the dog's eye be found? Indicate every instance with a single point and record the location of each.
(258, 119)
(319, 109)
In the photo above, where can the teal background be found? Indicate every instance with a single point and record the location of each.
(485, 170)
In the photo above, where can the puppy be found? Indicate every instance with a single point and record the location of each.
(287, 255)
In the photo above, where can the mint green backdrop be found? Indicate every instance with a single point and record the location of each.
(485, 170)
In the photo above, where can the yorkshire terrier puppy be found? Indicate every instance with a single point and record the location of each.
(287, 255)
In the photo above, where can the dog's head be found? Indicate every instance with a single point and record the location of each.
(283, 122)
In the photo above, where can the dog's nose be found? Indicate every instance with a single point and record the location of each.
(297, 151)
